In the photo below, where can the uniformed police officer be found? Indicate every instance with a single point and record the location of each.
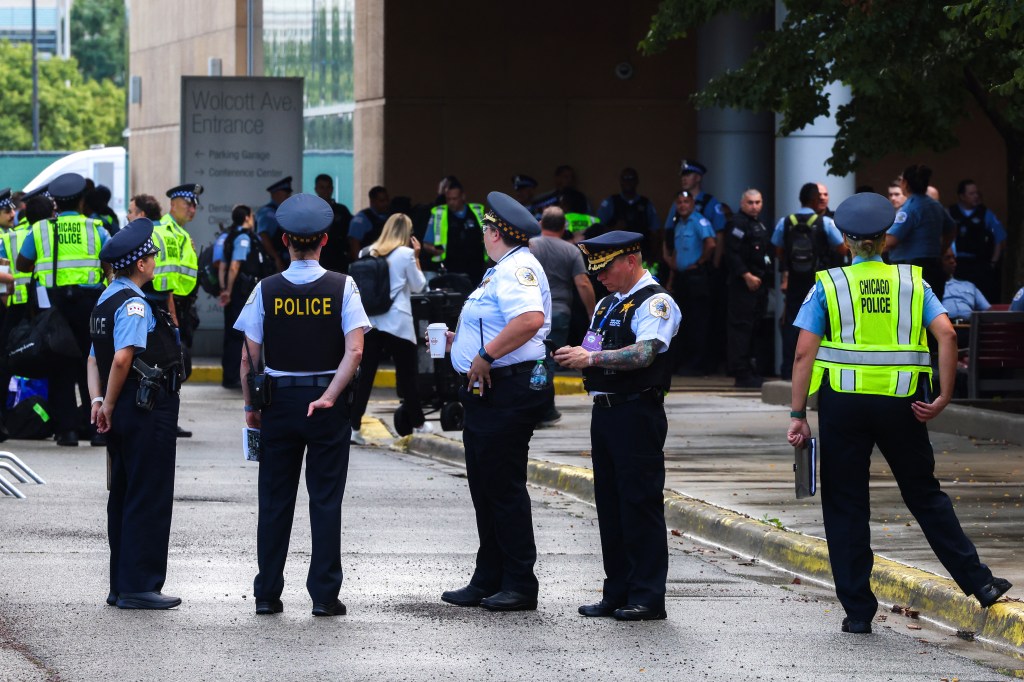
(64, 255)
(862, 342)
(310, 324)
(267, 226)
(138, 414)
(13, 283)
(922, 230)
(498, 342)
(454, 237)
(749, 265)
(626, 368)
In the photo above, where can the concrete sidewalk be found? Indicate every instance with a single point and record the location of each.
(730, 483)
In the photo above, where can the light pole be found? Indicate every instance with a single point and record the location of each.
(35, 84)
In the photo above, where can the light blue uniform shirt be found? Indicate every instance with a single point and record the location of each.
(361, 226)
(606, 211)
(920, 224)
(218, 246)
(960, 298)
(813, 315)
(240, 247)
(515, 285)
(832, 233)
(266, 220)
(133, 320)
(250, 320)
(688, 239)
(713, 211)
(1017, 304)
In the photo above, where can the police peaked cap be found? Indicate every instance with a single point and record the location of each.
(511, 218)
(189, 190)
(5, 198)
(284, 184)
(864, 215)
(304, 215)
(522, 181)
(129, 244)
(691, 166)
(602, 250)
(67, 186)
(41, 190)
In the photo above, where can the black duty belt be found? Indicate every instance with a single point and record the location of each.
(508, 370)
(313, 381)
(611, 399)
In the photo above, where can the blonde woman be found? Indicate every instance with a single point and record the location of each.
(394, 329)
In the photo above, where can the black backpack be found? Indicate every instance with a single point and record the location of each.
(207, 275)
(804, 243)
(373, 278)
(29, 420)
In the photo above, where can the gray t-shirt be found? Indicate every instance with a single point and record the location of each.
(561, 261)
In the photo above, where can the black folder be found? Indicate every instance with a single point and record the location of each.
(805, 468)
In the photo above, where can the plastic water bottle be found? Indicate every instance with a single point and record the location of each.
(539, 377)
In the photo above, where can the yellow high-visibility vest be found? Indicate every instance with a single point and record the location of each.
(876, 341)
(78, 250)
(177, 264)
(13, 239)
(439, 216)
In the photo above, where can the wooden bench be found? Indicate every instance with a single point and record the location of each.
(995, 353)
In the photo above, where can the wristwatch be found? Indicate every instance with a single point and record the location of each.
(485, 356)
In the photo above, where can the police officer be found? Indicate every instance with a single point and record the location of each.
(922, 230)
(138, 415)
(454, 237)
(13, 284)
(498, 342)
(267, 227)
(242, 270)
(630, 210)
(309, 322)
(627, 370)
(749, 263)
(862, 342)
(64, 254)
(980, 239)
(524, 188)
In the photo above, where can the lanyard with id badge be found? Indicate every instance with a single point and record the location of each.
(594, 338)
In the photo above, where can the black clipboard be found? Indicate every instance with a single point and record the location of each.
(805, 468)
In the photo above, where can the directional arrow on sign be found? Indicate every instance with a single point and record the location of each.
(200, 172)
(199, 153)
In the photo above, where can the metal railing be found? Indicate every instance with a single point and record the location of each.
(8, 488)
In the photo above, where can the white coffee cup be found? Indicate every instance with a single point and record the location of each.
(437, 339)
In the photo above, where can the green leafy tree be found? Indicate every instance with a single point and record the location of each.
(98, 38)
(74, 113)
(913, 67)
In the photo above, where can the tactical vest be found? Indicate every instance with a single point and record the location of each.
(579, 222)
(376, 227)
(973, 238)
(177, 264)
(754, 244)
(876, 339)
(162, 347)
(302, 323)
(13, 239)
(613, 318)
(77, 250)
(439, 216)
(633, 216)
(254, 260)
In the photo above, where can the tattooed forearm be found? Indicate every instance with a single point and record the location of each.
(639, 355)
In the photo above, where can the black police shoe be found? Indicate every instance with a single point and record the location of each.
(602, 609)
(67, 439)
(335, 609)
(146, 600)
(182, 433)
(990, 593)
(269, 607)
(638, 612)
(466, 596)
(98, 440)
(112, 598)
(509, 601)
(857, 627)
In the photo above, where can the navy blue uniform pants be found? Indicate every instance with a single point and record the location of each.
(850, 426)
(627, 451)
(68, 381)
(142, 447)
(288, 434)
(497, 433)
(746, 308)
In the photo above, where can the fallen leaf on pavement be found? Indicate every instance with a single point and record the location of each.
(911, 626)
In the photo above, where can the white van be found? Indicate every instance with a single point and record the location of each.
(105, 165)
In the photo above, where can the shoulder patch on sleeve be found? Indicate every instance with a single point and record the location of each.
(1017, 296)
(527, 277)
(704, 222)
(810, 292)
(659, 307)
(243, 242)
(135, 308)
(901, 217)
(925, 283)
(737, 232)
(719, 210)
(252, 296)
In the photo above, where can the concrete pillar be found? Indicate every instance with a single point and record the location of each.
(735, 145)
(368, 118)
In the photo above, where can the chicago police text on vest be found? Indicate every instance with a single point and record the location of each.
(875, 296)
(299, 307)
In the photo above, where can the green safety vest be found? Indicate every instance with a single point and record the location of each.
(578, 222)
(439, 217)
(876, 341)
(78, 253)
(12, 240)
(177, 264)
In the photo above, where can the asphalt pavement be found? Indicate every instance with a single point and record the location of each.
(408, 534)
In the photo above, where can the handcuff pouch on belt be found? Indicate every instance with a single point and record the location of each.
(152, 380)
(259, 384)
